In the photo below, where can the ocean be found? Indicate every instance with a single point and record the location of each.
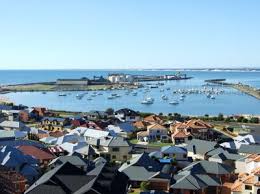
(230, 102)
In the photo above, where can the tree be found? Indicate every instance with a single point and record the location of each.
(254, 120)
(110, 111)
(144, 186)
(160, 114)
(245, 120)
(220, 117)
(227, 119)
(239, 119)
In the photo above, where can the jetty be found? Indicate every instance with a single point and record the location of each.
(244, 88)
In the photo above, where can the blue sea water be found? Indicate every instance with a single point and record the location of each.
(231, 102)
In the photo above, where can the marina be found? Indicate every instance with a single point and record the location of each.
(196, 93)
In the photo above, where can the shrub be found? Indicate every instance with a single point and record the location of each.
(144, 186)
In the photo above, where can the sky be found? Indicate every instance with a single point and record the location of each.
(116, 34)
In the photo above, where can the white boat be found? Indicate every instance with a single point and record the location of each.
(212, 97)
(62, 94)
(134, 93)
(43, 92)
(181, 98)
(174, 102)
(148, 100)
(79, 96)
(164, 97)
(89, 98)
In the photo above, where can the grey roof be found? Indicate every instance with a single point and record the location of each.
(140, 168)
(75, 160)
(194, 182)
(12, 124)
(127, 112)
(249, 149)
(66, 175)
(109, 141)
(227, 156)
(53, 119)
(207, 167)
(201, 146)
(173, 150)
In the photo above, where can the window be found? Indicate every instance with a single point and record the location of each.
(184, 155)
(158, 131)
(248, 187)
(113, 157)
(115, 149)
(125, 157)
(259, 178)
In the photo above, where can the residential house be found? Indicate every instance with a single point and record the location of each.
(247, 183)
(127, 115)
(11, 182)
(68, 178)
(14, 159)
(154, 132)
(112, 148)
(12, 135)
(12, 115)
(13, 125)
(54, 123)
(24, 116)
(43, 156)
(173, 153)
(82, 148)
(74, 160)
(197, 128)
(96, 115)
(201, 177)
(197, 149)
(153, 119)
(125, 130)
(141, 125)
(140, 169)
(180, 136)
(95, 134)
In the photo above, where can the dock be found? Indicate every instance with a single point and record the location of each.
(246, 89)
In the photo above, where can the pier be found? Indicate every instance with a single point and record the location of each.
(249, 90)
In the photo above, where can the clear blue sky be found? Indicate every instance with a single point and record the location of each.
(129, 33)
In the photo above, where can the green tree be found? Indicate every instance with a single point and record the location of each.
(239, 119)
(110, 111)
(254, 120)
(220, 117)
(245, 120)
(144, 186)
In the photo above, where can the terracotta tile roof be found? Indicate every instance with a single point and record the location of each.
(140, 124)
(243, 179)
(56, 133)
(153, 119)
(195, 124)
(180, 134)
(36, 152)
(156, 126)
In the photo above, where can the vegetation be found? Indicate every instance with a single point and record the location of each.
(144, 186)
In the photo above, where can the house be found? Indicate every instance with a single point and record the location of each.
(141, 125)
(11, 182)
(82, 148)
(12, 125)
(201, 177)
(54, 123)
(112, 148)
(127, 115)
(12, 115)
(246, 164)
(197, 128)
(68, 178)
(197, 149)
(12, 135)
(74, 160)
(24, 116)
(38, 132)
(140, 168)
(180, 136)
(78, 121)
(249, 149)
(154, 132)
(95, 134)
(80, 82)
(96, 115)
(153, 119)
(174, 153)
(125, 130)
(247, 183)
(14, 159)
(43, 156)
